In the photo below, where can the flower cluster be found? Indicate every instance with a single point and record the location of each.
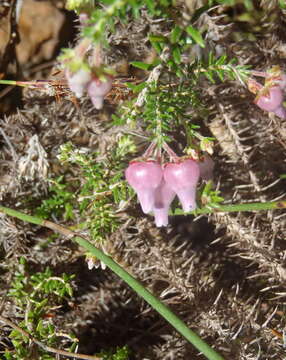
(87, 74)
(157, 185)
(270, 96)
(83, 80)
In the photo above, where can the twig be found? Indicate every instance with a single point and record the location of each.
(153, 77)
(45, 347)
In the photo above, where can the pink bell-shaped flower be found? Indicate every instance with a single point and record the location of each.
(182, 178)
(164, 196)
(78, 81)
(206, 166)
(269, 99)
(145, 177)
(97, 90)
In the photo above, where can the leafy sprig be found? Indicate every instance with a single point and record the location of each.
(101, 189)
(221, 68)
(36, 295)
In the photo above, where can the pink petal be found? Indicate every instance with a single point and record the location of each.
(182, 178)
(146, 199)
(281, 112)
(97, 102)
(164, 196)
(97, 90)
(188, 198)
(78, 81)
(144, 178)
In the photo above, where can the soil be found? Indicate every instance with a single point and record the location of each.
(224, 274)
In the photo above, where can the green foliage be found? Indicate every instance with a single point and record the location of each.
(140, 65)
(282, 4)
(101, 189)
(220, 68)
(194, 33)
(103, 19)
(119, 354)
(210, 198)
(38, 288)
(78, 5)
(165, 109)
(36, 295)
(60, 201)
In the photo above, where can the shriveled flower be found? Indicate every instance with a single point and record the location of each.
(182, 178)
(97, 90)
(206, 166)
(145, 177)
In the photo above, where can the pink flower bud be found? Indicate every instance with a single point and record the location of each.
(206, 167)
(97, 90)
(182, 178)
(164, 196)
(78, 81)
(145, 178)
(270, 100)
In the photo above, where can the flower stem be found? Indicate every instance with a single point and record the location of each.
(237, 207)
(156, 304)
(36, 83)
(259, 73)
(8, 82)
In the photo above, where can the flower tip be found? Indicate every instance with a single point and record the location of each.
(97, 102)
(90, 263)
(188, 206)
(146, 199)
(187, 199)
(97, 90)
(281, 112)
(161, 217)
